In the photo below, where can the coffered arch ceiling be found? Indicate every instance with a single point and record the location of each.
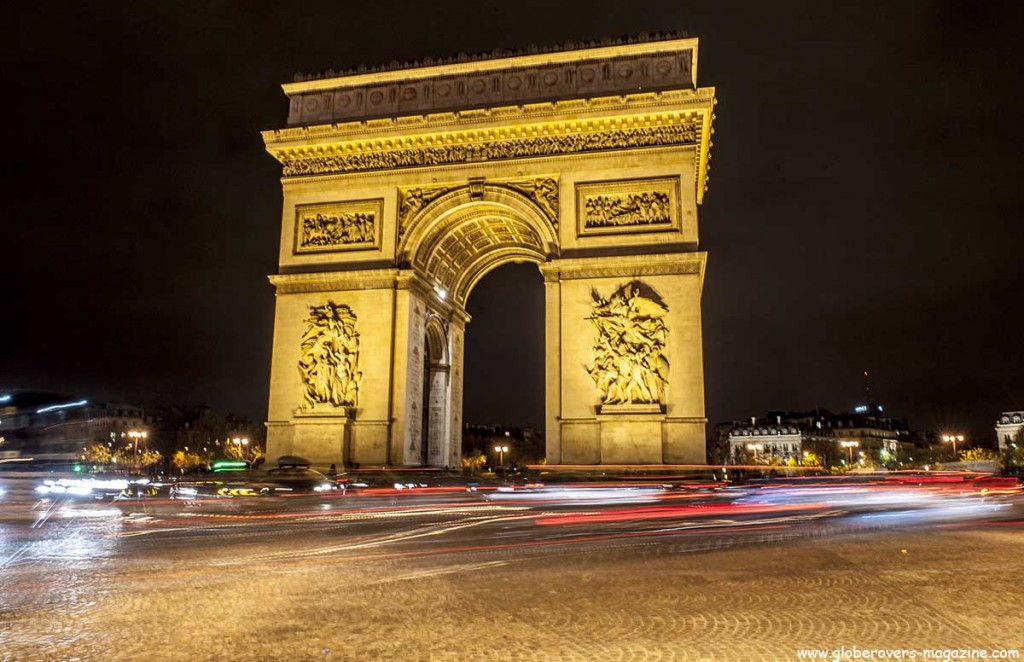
(459, 239)
(436, 348)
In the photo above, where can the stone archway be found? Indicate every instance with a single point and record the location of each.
(448, 244)
(463, 233)
(435, 437)
(403, 188)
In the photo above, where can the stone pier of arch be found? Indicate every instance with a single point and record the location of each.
(403, 188)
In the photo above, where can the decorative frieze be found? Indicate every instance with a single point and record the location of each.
(627, 206)
(338, 226)
(513, 143)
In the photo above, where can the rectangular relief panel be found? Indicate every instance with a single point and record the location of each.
(338, 226)
(628, 206)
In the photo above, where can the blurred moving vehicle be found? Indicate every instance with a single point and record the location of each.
(301, 479)
(98, 486)
(289, 479)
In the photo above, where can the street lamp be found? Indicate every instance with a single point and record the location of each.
(755, 448)
(849, 446)
(241, 441)
(953, 438)
(501, 450)
(135, 435)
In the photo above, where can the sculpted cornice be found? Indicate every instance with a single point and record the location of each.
(333, 281)
(578, 127)
(497, 144)
(637, 266)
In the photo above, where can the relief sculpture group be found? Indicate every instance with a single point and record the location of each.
(329, 363)
(633, 209)
(629, 355)
(337, 229)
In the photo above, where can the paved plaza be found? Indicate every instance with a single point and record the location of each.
(252, 595)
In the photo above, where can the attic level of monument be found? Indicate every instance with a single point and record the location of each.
(500, 81)
(495, 54)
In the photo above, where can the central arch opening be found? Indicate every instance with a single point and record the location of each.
(504, 366)
(484, 239)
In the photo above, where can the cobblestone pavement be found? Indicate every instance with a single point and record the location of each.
(935, 588)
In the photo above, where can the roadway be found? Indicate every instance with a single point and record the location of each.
(585, 572)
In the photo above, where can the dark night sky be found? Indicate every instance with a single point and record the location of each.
(863, 211)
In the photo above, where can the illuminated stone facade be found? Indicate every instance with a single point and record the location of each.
(1008, 427)
(404, 186)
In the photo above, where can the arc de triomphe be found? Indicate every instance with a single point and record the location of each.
(404, 186)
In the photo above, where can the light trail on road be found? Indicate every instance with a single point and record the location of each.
(66, 561)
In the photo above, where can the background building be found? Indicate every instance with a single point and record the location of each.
(54, 426)
(863, 436)
(1008, 426)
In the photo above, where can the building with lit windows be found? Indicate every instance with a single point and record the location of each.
(53, 426)
(1008, 426)
(863, 436)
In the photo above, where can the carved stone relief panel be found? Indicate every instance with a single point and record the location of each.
(338, 226)
(630, 366)
(626, 206)
(329, 358)
(412, 200)
(542, 191)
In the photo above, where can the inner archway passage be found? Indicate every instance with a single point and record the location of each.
(504, 360)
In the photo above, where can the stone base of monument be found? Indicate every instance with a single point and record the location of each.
(651, 408)
(324, 438)
(631, 434)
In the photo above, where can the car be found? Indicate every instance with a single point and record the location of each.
(98, 486)
(300, 479)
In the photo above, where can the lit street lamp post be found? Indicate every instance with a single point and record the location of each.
(756, 448)
(953, 438)
(501, 450)
(135, 435)
(242, 441)
(849, 446)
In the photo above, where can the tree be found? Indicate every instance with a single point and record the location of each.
(977, 455)
(1012, 457)
(746, 456)
(718, 448)
(185, 461)
(256, 453)
(474, 462)
(928, 456)
(248, 452)
(98, 454)
(148, 458)
(811, 459)
(233, 451)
